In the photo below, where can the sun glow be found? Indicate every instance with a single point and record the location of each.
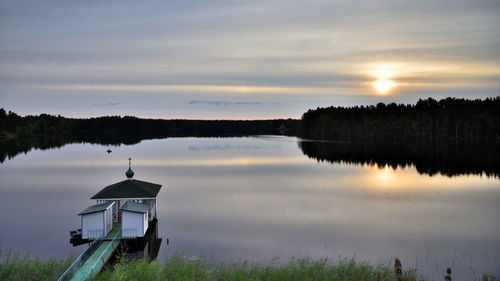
(383, 86)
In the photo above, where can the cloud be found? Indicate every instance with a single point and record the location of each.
(305, 54)
(223, 147)
(224, 103)
(108, 104)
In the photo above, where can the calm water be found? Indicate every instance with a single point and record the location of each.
(259, 198)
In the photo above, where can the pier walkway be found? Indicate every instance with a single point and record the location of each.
(91, 261)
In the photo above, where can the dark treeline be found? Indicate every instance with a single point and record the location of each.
(450, 136)
(450, 158)
(428, 119)
(20, 134)
(13, 125)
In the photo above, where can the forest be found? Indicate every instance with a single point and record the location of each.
(20, 134)
(425, 124)
(428, 119)
(108, 127)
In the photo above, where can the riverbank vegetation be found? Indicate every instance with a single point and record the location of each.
(451, 136)
(115, 127)
(16, 267)
(428, 120)
(198, 268)
(19, 134)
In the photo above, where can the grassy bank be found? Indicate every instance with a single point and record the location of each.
(182, 268)
(14, 267)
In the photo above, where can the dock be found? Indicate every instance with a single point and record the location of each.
(122, 223)
(92, 260)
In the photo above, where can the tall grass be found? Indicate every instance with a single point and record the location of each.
(182, 268)
(14, 267)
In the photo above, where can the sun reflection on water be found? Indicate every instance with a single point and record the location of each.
(407, 179)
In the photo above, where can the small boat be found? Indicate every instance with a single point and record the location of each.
(76, 233)
(109, 151)
(76, 237)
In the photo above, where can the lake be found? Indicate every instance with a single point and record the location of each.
(259, 198)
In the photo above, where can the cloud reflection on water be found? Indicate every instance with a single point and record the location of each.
(257, 204)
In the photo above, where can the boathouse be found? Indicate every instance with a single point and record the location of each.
(130, 190)
(123, 218)
(134, 219)
(130, 204)
(97, 220)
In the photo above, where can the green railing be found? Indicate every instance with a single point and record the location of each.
(82, 258)
(85, 255)
(129, 232)
(100, 260)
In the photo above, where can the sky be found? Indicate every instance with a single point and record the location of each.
(242, 59)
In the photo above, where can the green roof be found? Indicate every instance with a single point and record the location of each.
(129, 173)
(135, 207)
(129, 189)
(96, 208)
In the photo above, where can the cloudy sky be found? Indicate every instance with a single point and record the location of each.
(242, 59)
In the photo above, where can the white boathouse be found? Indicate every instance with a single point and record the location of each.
(97, 220)
(131, 203)
(134, 219)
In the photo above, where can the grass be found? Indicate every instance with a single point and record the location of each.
(14, 267)
(183, 268)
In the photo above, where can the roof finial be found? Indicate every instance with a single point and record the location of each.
(129, 173)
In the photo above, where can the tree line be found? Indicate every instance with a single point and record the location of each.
(428, 119)
(427, 122)
(15, 126)
(19, 134)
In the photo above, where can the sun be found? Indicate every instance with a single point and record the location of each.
(383, 86)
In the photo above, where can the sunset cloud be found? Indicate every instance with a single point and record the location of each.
(158, 56)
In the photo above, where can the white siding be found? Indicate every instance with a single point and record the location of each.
(92, 225)
(152, 207)
(97, 224)
(115, 210)
(145, 224)
(134, 224)
(108, 219)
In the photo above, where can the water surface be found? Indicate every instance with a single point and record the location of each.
(258, 198)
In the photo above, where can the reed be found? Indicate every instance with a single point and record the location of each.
(199, 268)
(14, 267)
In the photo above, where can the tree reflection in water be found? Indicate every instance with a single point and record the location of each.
(446, 158)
